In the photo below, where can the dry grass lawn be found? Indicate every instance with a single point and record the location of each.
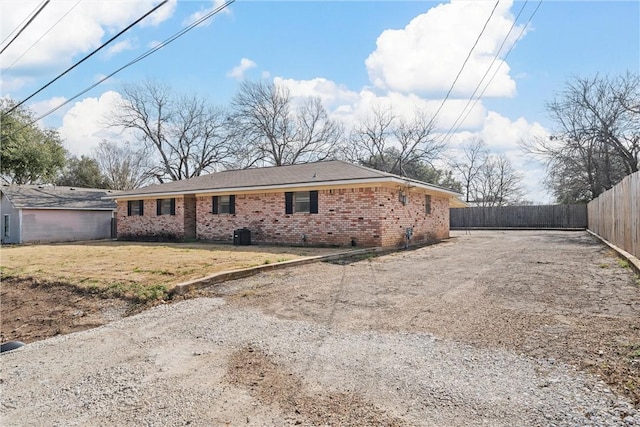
(132, 267)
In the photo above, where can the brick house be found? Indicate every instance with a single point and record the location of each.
(323, 203)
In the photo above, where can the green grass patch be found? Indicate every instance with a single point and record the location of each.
(624, 263)
(130, 291)
(634, 351)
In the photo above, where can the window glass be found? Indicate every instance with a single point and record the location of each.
(301, 201)
(427, 204)
(224, 203)
(135, 207)
(6, 225)
(165, 206)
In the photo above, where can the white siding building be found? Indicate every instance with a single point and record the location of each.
(32, 214)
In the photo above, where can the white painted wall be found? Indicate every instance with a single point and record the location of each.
(53, 225)
(6, 208)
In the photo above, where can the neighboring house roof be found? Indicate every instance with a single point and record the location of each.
(54, 197)
(327, 173)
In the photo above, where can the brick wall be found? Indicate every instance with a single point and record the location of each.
(150, 226)
(426, 227)
(369, 216)
(372, 216)
(340, 218)
(189, 203)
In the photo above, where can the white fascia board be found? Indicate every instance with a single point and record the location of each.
(265, 188)
(36, 208)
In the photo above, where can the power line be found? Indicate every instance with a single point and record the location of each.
(88, 56)
(497, 69)
(20, 25)
(42, 36)
(25, 25)
(464, 63)
(486, 72)
(141, 57)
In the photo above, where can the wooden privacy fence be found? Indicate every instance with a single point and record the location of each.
(546, 216)
(615, 214)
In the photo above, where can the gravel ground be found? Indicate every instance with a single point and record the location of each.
(448, 344)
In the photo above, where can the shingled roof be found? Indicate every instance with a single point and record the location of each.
(302, 175)
(54, 197)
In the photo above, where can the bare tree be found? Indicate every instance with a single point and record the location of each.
(279, 130)
(186, 134)
(487, 179)
(468, 167)
(498, 184)
(386, 142)
(123, 168)
(597, 139)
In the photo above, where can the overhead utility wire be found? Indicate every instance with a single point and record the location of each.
(486, 72)
(42, 36)
(88, 56)
(464, 63)
(25, 26)
(20, 25)
(141, 57)
(498, 68)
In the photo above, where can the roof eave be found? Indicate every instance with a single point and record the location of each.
(64, 208)
(361, 181)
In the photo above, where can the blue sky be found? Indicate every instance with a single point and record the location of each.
(353, 54)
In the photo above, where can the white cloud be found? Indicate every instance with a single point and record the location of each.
(202, 12)
(348, 105)
(501, 133)
(84, 125)
(503, 136)
(238, 71)
(328, 91)
(80, 31)
(426, 55)
(42, 107)
(9, 84)
(161, 15)
(120, 47)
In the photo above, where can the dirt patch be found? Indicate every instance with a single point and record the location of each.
(272, 384)
(32, 310)
(54, 289)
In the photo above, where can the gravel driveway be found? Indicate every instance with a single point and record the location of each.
(492, 328)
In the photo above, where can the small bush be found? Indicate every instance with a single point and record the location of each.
(156, 237)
